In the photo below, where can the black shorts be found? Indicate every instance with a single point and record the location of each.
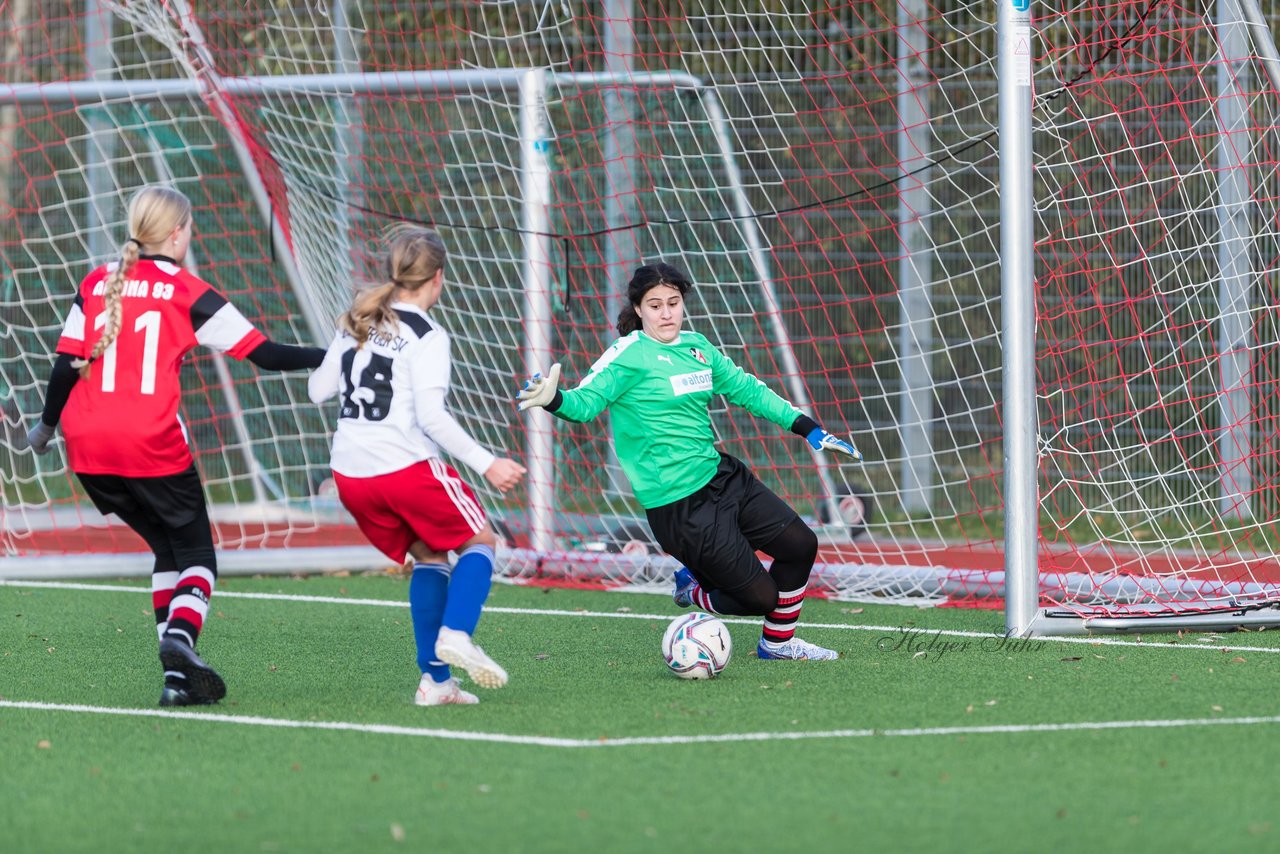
(175, 500)
(716, 531)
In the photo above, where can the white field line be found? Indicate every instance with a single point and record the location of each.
(605, 741)
(917, 631)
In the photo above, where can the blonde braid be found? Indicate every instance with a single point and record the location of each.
(114, 305)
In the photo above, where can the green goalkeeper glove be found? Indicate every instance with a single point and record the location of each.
(539, 390)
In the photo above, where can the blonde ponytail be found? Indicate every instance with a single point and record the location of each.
(371, 309)
(414, 256)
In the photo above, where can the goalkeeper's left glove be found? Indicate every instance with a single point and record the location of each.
(540, 390)
(821, 440)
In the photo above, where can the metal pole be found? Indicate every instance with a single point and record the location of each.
(1018, 317)
(100, 147)
(619, 164)
(535, 185)
(1263, 39)
(469, 81)
(1235, 267)
(915, 266)
(348, 136)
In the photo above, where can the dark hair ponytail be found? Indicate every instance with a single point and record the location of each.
(645, 279)
(628, 320)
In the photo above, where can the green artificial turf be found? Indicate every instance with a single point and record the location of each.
(904, 764)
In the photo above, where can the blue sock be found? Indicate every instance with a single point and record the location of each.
(428, 590)
(468, 588)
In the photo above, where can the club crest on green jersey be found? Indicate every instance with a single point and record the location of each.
(697, 354)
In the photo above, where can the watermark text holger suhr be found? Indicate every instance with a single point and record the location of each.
(921, 643)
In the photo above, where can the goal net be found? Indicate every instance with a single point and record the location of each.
(829, 175)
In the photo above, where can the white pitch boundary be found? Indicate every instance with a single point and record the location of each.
(920, 632)
(643, 741)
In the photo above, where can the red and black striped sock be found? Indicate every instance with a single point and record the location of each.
(780, 623)
(190, 603)
(702, 599)
(162, 584)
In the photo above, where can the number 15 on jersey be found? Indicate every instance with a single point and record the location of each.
(366, 389)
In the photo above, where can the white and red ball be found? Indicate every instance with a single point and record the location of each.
(697, 646)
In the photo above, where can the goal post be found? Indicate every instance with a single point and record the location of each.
(1214, 443)
(1018, 317)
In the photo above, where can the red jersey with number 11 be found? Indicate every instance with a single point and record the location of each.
(123, 419)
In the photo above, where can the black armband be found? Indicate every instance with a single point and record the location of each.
(62, 379)
(555, 402)
(271, 356)
(804, 425)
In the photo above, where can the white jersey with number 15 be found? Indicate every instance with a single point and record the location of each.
(392, 393)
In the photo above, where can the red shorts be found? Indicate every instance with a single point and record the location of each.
(426, 501)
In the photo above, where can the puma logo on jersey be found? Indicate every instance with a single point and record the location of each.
(666, 359)
(689, 383)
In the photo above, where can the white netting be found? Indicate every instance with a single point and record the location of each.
(827, 173)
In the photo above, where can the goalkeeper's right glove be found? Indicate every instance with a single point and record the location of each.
(540, 390)
(38, 437)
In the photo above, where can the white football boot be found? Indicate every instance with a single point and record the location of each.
(456, 648)
(795, 650)
(446, 693)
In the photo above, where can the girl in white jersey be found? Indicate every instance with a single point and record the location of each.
(390, 363)
(705, 507)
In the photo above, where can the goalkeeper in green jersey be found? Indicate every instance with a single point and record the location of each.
(705, 508)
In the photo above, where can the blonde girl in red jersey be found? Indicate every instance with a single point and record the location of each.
(115, 389)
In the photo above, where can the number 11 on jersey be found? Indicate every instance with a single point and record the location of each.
(149, 324)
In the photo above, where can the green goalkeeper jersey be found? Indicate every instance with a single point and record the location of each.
(659, 396)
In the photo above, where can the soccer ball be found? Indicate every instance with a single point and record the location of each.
(697, 646)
